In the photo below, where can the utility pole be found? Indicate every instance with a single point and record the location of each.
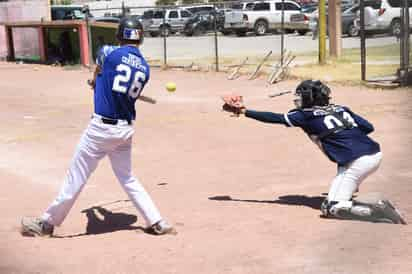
(335, 28)
(322, 32)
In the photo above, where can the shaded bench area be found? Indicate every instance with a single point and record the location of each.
(65, 41)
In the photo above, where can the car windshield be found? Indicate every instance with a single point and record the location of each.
(309, 9)
(237, 6)
(78, 14)
(158, 14)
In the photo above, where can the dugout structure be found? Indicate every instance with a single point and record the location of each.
(82, 37)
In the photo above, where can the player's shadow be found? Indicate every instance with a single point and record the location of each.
(101, 220)
(297, 200)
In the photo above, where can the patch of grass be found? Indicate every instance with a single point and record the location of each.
(380, 61)
(341, 71)
(381, 53)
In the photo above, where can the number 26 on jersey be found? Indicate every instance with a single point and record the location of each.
(121, 80)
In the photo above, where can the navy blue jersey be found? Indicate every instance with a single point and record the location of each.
(124, 73)
(341, 144)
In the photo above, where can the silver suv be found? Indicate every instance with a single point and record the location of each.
(166, 22)
(384, 16)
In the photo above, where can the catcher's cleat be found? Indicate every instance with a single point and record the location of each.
(33, 227)
(161, 228)
(385, 210)
(380, 211)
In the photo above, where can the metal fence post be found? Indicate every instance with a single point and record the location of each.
(403, 72)
(362, 39)
(282, 37)
(216, 42)
(164, 38)
(89, 38)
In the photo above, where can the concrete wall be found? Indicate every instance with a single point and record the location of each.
(25, 40)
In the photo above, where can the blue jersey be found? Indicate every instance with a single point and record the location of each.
(342, 144)
(124, 73)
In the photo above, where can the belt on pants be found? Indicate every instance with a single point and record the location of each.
(111, 121)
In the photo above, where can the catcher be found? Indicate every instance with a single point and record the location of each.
(343, 136)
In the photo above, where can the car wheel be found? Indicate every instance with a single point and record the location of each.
(154, 34)
(261, 27)
(226, 32)
(396, 27)
(353, 30)
(165, 31)
(199, 31)
(302, 31)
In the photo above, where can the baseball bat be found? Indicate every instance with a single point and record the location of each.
(143, 98)
(279, 94)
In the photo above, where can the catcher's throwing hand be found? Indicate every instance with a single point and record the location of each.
(233, 104)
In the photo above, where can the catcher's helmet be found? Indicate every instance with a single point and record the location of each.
(312, 93)
(130, 30)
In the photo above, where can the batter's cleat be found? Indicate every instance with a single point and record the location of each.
(33, 227)
(161, 228)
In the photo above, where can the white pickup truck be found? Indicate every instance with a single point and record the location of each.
(262, 17)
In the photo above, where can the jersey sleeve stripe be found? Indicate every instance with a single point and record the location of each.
(287, 120)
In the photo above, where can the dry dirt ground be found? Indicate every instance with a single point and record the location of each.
(243, 195)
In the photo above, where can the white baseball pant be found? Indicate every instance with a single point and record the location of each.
(97, 141)
(349, 177)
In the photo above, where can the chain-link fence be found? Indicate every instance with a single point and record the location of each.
(252, 36)
(207, 36)
(385, 17)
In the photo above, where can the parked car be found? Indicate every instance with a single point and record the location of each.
(348, 15)
(146, 19)
(348, 21)
(385, 16)
(166, 21)
(67, 12)
(200, 8)
(309, 8)
(243, 6)
(263, 17)
(108, 19)
(203, 22)
(113, 19)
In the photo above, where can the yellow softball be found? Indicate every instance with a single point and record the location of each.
(171, 87)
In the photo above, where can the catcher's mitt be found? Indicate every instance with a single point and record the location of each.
(233, 104)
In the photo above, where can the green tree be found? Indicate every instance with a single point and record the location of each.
(188, 2)
(165, 2)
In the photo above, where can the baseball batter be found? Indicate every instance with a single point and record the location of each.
(119, 79)
(343, 136)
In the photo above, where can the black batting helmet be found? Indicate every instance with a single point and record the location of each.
(130, 30)
(312, 93)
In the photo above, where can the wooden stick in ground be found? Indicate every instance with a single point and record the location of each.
(279, 94)
(277, 66)
(255, 73)
(235, 72)
(282, 70)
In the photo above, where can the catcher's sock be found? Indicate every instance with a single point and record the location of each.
(162, 227)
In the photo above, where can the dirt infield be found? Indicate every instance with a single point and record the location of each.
(243, 195)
